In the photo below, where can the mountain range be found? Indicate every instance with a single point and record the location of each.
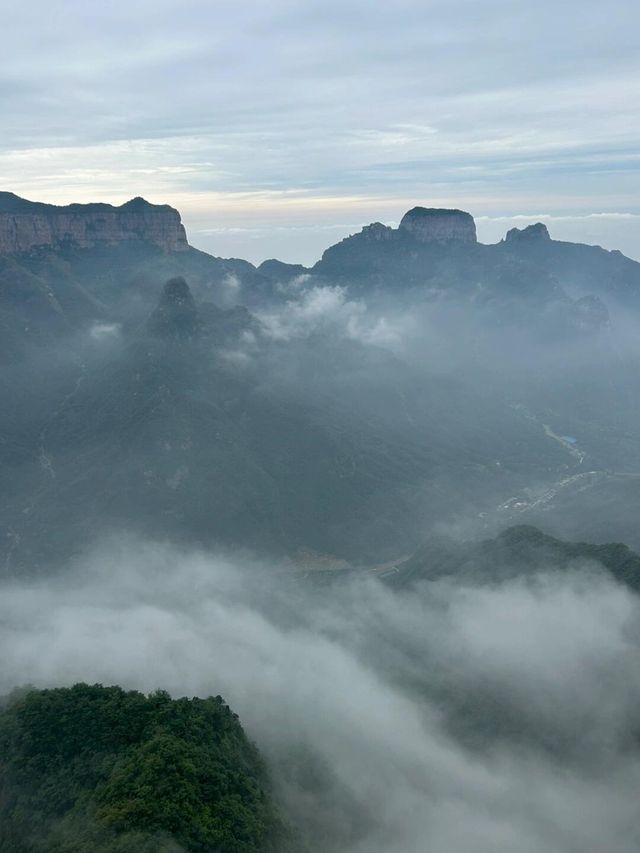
(413, 377)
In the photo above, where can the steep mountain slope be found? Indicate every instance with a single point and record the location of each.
(323, 445)
(580, 268)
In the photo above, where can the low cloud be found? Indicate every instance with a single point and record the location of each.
(328, 309)
(105, 331)
(449, 718)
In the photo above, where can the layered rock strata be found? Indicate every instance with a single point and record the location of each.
(26, 225)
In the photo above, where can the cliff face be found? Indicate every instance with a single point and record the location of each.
(26, 225)
(434, 225)
(379, 250)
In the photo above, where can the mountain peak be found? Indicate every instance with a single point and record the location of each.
(439, 225)
(532, 233)
(176, 315)
(137, 203)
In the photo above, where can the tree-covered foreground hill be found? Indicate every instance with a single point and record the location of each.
(93, 768)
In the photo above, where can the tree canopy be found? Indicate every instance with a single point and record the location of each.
(93, 768)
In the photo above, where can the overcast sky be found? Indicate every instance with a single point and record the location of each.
(279, 127)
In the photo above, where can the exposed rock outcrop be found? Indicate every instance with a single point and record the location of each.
(434, 225)
(377, 232)
(530, 234)
(176, 315)
(26, 225)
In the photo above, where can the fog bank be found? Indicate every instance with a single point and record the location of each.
(444, 718)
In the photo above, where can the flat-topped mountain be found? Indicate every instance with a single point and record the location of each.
(436, 225)
(27, 225)
(434, 253)
(64, 268)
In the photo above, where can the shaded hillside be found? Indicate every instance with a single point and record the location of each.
(92, 768)
(323, 444)
(425, 253)
(527, 280)
(517, 552)
(579, 267)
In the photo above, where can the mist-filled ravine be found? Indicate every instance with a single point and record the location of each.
(351, 548)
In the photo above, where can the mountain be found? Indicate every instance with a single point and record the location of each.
(413, 376)
(436, 225)
(26, 225)
(581, 269)
(434, 255)
(93, 768)
(166, 435)
(439, 248)
(517, 552)
(63, 269)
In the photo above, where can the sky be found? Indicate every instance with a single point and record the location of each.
(278, 128)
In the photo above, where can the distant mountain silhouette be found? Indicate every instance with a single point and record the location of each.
(434, 255)
(517, 552)
(70, 266)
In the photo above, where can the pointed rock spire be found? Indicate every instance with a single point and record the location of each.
(176, 314)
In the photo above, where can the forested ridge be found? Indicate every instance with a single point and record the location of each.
(93, 768)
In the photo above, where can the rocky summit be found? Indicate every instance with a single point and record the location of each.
(27, 225)
(435, 225)
(532, 233)
(176, 314)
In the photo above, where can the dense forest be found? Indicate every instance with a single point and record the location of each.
(92, 768)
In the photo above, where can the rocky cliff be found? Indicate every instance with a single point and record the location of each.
(27, 225)
(434, 225)
(379, 251)
(531, 234)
